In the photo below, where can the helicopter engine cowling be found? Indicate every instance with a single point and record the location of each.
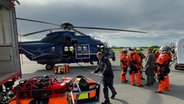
(74, 41)
(69, 41)
(66, 40)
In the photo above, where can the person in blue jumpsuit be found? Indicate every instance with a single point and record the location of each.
(105, 68)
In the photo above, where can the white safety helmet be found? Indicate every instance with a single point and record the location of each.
(124, 50)
(165, 48)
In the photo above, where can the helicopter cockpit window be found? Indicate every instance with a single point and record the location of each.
(100, 47)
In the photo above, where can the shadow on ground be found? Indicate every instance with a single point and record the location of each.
(120, 101)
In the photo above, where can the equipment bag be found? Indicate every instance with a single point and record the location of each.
(83, 84)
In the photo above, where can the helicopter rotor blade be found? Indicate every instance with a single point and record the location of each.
(78, 32)
(31, 20)
(40, 31)
(100, 28)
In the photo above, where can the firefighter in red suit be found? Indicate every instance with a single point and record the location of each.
(124, 62)
(163, 70)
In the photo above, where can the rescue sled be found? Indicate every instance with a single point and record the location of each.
(48, 90)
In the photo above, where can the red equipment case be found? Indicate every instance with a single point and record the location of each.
(62, 69)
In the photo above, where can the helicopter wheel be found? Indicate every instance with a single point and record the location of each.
(49, 66)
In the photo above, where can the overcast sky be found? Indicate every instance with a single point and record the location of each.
(161, 19)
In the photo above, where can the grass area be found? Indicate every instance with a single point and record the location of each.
(120, 49)
(117, 49)
(144, 49)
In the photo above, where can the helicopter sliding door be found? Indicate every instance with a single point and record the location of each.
(82, 51)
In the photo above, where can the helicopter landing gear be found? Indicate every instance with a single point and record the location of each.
(49, 66)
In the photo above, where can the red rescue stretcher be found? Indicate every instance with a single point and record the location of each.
(48, 90)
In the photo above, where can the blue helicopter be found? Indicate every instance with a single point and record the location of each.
(65, 46)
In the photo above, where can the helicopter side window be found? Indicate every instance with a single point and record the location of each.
(71, 48)
(79, 48)
(82, 51)
(68, 51)
(85, 48)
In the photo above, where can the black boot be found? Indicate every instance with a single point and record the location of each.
(126, 81)
(106, 102)
(159, 92)
(148, 84)
(113, 95)
(141, 85)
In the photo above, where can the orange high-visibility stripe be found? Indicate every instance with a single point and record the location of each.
(138, 78)
(161, 85)
(92, 94)
(122, 77)
(132, 80)
(67, 68)
(12, 102)
(58, 100)
(163, 58)
(125, 58)
(167, 83)
(74, 96)
(22, 101)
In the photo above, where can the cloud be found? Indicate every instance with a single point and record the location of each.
(162, 19)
